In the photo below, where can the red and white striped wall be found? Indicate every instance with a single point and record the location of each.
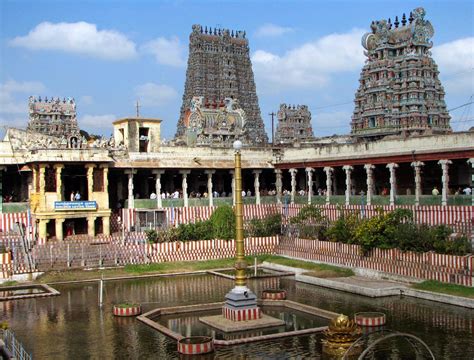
(430, 266)
(241, 314)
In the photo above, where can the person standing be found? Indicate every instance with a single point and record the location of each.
(77, 197)
(435, 191)
(72, 197)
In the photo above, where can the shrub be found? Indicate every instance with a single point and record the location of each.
(268, 226)
(309, 214)
(151, 236)
(223, 223)
(343, 229)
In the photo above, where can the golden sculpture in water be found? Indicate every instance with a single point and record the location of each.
(339, 336)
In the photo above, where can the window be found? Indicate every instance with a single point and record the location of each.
(372, 122)
(143, 139)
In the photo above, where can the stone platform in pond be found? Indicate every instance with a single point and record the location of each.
(18, 292)
(272, 327)
(226, 325)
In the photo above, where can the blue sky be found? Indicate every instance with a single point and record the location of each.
(108, 54)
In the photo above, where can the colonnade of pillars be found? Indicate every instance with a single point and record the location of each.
(184, 185)
(309, 171)
(369, 169)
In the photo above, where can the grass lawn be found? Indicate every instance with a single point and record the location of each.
(317, 270)
(450, 289)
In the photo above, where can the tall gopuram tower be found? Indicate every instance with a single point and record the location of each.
(399, 92)
(294, 125)
(54, 117)
(219, 67)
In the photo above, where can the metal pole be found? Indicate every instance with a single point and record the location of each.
(255, 267)
(272, 114)
(68, 262)
(240, 263)
(101, 289)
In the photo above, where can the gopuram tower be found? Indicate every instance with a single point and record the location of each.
(219, 67)
(399, 92)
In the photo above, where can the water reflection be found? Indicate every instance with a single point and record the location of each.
(72, 326)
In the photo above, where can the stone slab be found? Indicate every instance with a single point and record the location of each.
(221, 323)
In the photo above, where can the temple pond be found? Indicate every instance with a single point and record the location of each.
(72, 326)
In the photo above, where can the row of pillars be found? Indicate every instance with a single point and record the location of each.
(42, 231)
(417, 166)
(184, 186)
(392, 167)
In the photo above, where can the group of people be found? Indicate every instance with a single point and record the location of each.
(75, 196)
(466, 191)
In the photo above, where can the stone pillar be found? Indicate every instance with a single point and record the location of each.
(232, 172)
(42, 232)
(91, 226)
(184, 186)
(256, 184)
(309, 172)
(329, 171)
(131, 198)
(209, 186)
(393, 182)
(278, 185)
(348, 170)
(158, 173)
(42, 180)
(106, 225)
(369, 168)
(90, 180)
(417, 166)
(293, 184)
(471, 161)
(58, 223)
(59, 183)
(445, 180)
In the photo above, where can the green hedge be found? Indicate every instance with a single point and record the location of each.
(387, 230)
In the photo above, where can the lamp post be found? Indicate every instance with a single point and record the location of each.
(241, 302)
(240, 263)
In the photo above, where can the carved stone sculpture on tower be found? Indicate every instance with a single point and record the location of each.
(294, 125)
(399, 91)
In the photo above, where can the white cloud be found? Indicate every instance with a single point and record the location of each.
(151, 94)
(8, 102)
(96, 121)
(269, 30)
(166, 51)
(455, 61)
(78, 38)
(311, 64)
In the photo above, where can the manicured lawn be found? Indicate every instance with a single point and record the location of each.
(450, 289)
(318, 270)
(135, 270)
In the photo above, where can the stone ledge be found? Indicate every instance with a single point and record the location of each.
(223, 324)
(400, 289)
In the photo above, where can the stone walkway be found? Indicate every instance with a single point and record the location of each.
(372, 287)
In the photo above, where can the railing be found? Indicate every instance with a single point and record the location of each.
(13, 349)
(13, 207)
(460, 200)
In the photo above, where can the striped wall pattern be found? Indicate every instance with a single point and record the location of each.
(429, 266)
(62, 255)
(8, 221)
(183, 215)
(431, 215)
(241, 314)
